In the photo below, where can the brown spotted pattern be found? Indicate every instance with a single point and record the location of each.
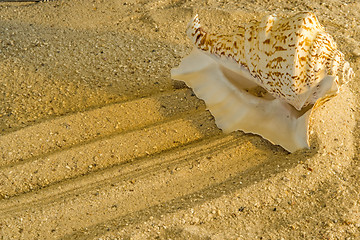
(289, 57)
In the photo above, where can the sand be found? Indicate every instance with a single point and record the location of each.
(98, 142)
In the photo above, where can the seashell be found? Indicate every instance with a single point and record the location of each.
(268, 77)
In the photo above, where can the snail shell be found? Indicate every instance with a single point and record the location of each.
(276, 70)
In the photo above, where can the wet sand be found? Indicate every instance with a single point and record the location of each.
(98, 142)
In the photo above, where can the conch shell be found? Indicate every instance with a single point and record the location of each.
(267, 78)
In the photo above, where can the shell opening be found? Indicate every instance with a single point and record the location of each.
(242, 83)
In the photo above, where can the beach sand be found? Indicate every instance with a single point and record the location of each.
(98, 142)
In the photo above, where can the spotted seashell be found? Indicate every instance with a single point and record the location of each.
(268, 77)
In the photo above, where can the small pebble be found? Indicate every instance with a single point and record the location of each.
(356, 52)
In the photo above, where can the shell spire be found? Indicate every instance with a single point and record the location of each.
(229, 46)
(193, 29)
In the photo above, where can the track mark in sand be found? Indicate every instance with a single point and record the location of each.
(64, 132)
(117, 149)
(118, 191)
(99, 139)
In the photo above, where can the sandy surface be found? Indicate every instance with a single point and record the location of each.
(97, 141)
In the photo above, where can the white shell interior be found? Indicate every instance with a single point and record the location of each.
(237, 103)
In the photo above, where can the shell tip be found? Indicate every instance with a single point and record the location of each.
(193, 25)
